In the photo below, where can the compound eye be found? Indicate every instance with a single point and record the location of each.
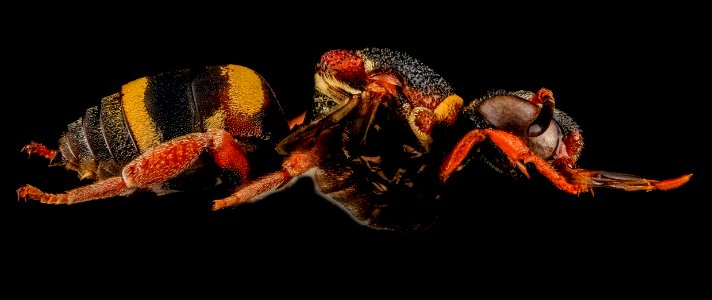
(509, 112)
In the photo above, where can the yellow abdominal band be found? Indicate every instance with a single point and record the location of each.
(245, 90)
(140, 122)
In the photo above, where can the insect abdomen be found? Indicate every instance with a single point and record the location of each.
(151, 110)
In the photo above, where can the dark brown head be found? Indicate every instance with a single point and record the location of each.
(550, 133)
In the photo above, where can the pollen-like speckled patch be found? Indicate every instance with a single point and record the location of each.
(245, 91)
(217, 120)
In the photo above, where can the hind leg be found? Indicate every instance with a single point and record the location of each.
(154, 167)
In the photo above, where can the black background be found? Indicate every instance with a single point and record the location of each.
(636, 80)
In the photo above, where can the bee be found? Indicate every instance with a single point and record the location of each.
(380, 140)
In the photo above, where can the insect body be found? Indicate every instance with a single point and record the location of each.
(384, 134)
(157, 132)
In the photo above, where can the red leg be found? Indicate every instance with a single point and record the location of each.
(154, 167)
(517, 152)
(106, 188)
(295, 165)
(39, 149)
(298, 120)
(623, 181)
(454, 159)
(171, 158)
(568, 179)
(227, 153)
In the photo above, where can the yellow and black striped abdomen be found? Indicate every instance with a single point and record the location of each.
(154, 109)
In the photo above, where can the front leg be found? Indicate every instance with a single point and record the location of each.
(517, 152)
(570, 180)
(154, 167)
